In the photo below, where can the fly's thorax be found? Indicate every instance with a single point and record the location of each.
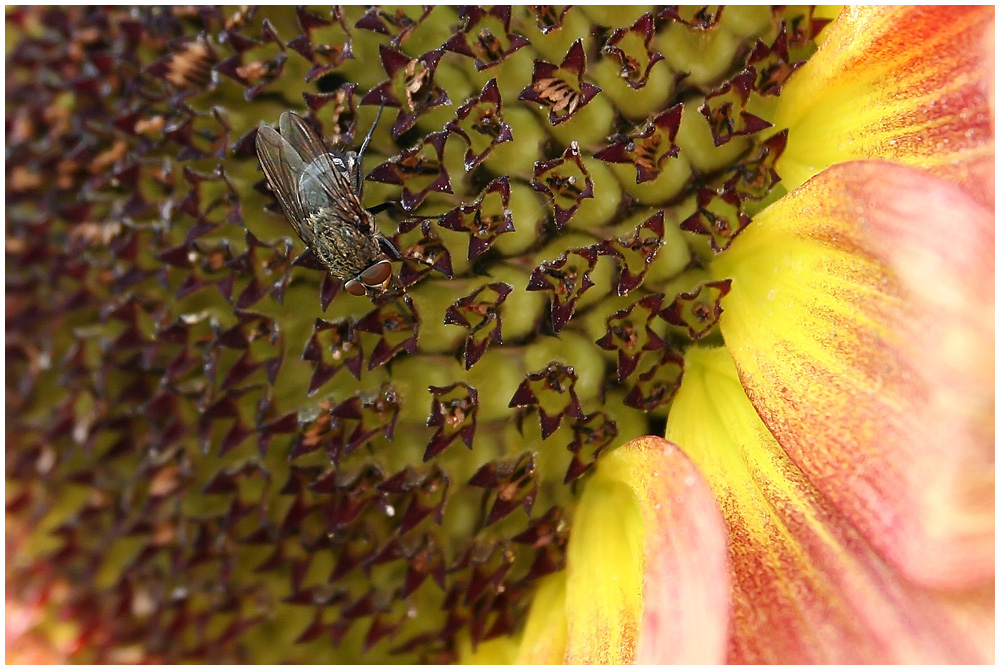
(346, 247)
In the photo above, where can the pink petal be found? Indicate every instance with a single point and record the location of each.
(646, 578)
(861, 320)
(807, 587)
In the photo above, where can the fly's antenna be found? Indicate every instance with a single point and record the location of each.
(371, 131)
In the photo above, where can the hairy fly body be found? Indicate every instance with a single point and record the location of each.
(320, 190)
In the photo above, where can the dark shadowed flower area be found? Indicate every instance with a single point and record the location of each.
(687, 355)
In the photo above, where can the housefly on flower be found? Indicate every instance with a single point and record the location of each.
(320, 190)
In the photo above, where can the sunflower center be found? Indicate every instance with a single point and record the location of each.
(254, 464)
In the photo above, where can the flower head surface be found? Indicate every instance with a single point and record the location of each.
(606, 224)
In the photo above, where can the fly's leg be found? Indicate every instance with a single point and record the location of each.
(359, 171)
(371, 131)
(378, 209)
(389, 248)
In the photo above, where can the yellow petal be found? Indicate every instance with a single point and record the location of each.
(861, 321)
(906, 84)
(544, 640)
(497, 651)
(807, 588)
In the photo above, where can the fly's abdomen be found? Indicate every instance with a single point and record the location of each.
(346, 248)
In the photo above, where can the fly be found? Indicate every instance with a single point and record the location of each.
(320, 190)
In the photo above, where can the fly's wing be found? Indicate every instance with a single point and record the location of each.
(301, 135)
(328, 178)
(283, 168)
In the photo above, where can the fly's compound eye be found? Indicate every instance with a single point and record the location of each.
(354, 287)
(376, 275)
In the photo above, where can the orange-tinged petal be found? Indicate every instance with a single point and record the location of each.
(905, 84)
(861, 321)
(33, 636)
(646, 574)
(807, 588)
